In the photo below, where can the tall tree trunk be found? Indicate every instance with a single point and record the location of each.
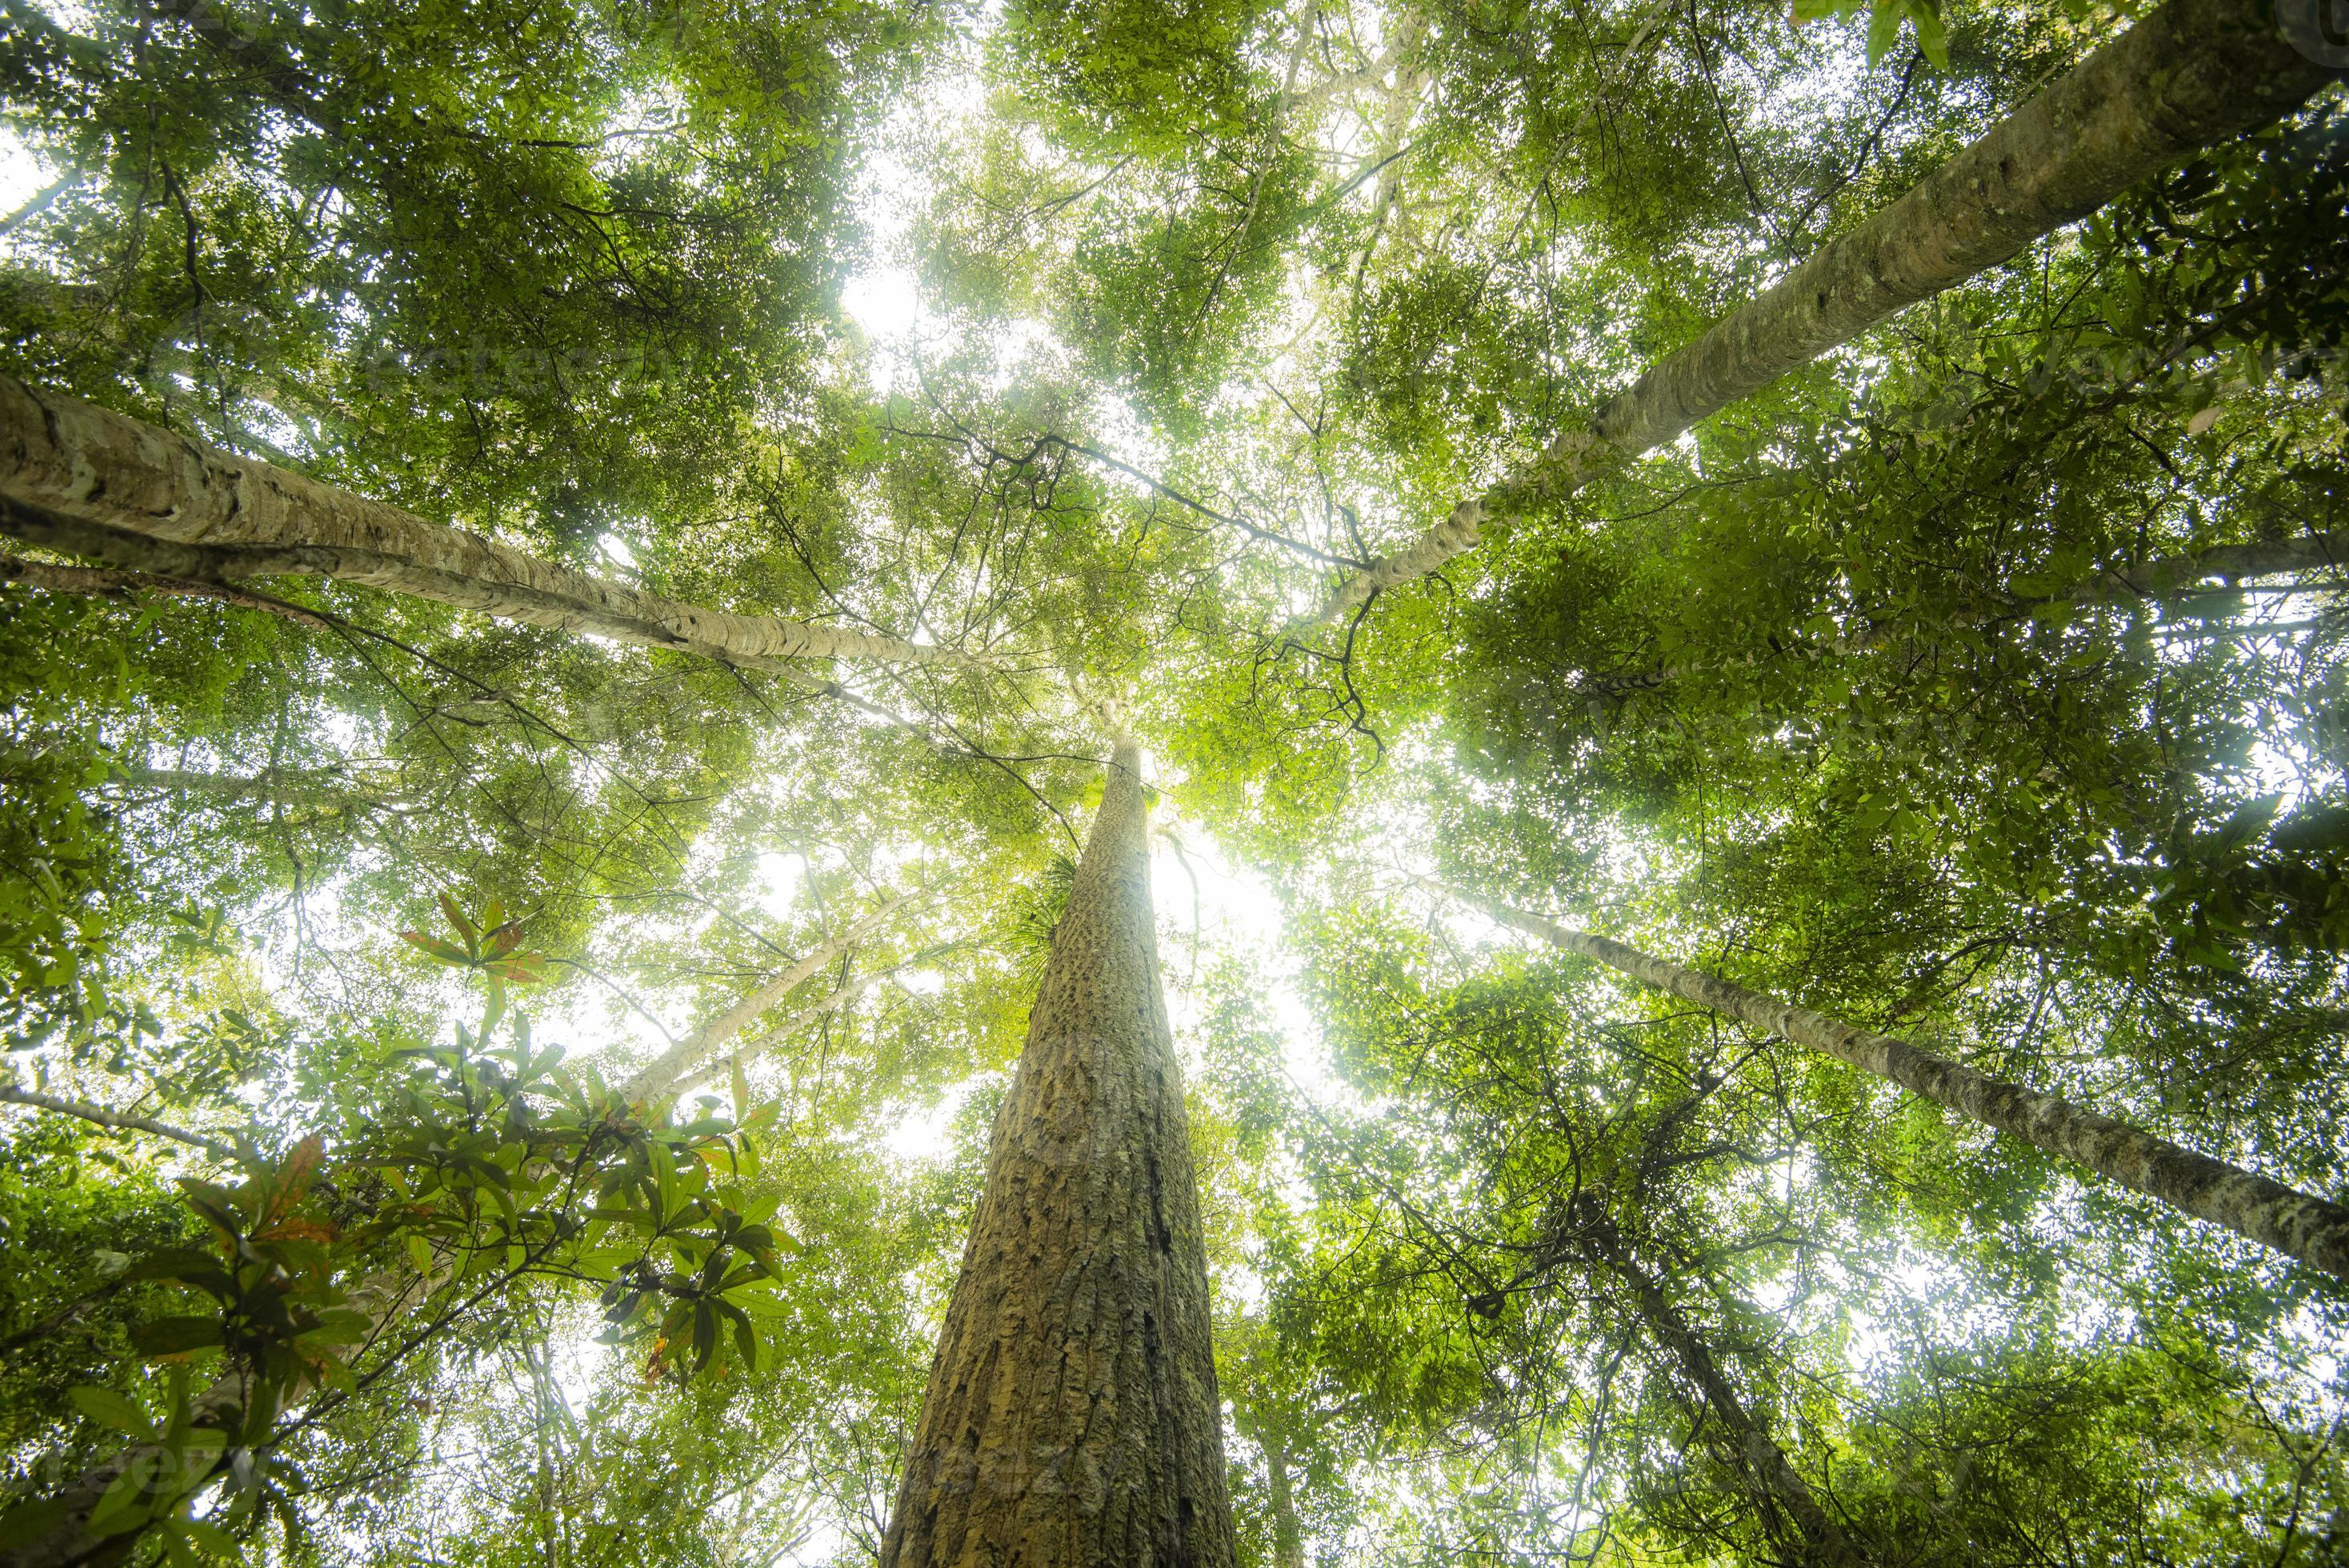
(1778, 1488)
(2312, 1230)
(1071, 1419)
(85, 481)
(2194, 73)
(686, 1081)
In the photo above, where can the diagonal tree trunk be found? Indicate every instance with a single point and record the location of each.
(2171, 580)
(1072, 1418)
(85, 481)
(2312, 1230)
(1778, 1488)
(2194, 73)
(684, 1083)
(677, 1063)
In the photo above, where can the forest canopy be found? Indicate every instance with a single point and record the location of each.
(1174, 782)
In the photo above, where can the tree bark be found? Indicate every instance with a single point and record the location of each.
(2168, 574)
(85, 481)
(2311, 1229)
(1072, 1418)
(1288, 1539)
(2194, 73)
(1776, 1485)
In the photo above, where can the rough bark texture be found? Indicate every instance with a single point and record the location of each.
(2311, 1229)
(665, 1071)
(2194, 73)
(1071, 1419)
(1778, 1488)
(85, 481)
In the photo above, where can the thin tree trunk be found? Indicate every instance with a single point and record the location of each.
(696, 1049)
(2311, 1229)
(125, 587)
(85, 481)
(2167, 576)
(2194, 73)
(1775, 1483)
(1233, 250)
(1071, 1419)
(302, 786)
(1402, 103)
(2171, 580)
(685, 1083)
(63, 1105)
(1288, 1539)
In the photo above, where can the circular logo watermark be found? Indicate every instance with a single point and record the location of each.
(2317, 28)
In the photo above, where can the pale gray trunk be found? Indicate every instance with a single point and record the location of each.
(65, 1105)
(686, 1082)
(85, 481)
(2194, 73)
(1071, 1419)
(2315, 553)
(1288, 1539)
(2311, 1229)
(1402, 103)
(698, 1047)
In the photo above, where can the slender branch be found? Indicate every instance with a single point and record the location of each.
(119, 1120)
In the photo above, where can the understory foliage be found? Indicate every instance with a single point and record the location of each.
(1981, 683)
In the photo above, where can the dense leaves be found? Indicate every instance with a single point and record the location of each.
(1981, 682)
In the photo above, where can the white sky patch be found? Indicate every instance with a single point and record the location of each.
(1233, 911)
(23, 172)
(780, 878)
(885, 300)
(924, 1134)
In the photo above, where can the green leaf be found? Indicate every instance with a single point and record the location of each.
(1883, 31)
(110, 1408)
(126, 1505)
(176, 1335)
(1933, 34)
(705, 1334)
(341, 1326)
(29, 1521)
